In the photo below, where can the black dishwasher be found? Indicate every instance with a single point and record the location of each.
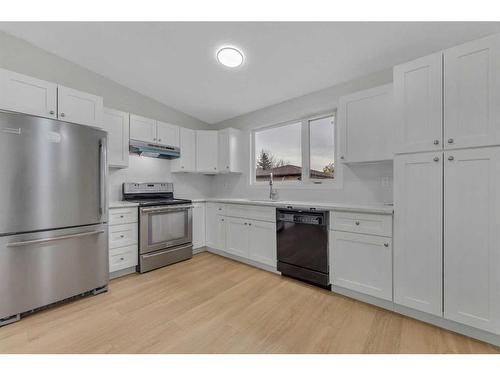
(302, 239)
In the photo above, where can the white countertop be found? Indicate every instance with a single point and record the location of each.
(122, 204)
(381, 209)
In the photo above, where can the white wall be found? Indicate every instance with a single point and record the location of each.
(361, 183)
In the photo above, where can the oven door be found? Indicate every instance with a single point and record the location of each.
(164, 226)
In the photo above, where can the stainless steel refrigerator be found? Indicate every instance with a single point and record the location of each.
(53, 215)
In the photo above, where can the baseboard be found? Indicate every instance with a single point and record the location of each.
(123, 272)
(199, 250)
(438, 321)
(249, 262)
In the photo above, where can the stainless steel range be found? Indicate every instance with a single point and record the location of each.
(165, 224)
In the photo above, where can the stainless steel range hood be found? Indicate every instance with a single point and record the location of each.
(154, 150)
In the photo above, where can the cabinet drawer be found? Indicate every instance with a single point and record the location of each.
(122, 257)
(376, 224)
(122, 215)
(251, 212)
(220, 208)
(122, 235)
(362, 263)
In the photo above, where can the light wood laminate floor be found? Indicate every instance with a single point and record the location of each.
(211, 304)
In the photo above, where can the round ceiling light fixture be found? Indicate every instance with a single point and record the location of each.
(230, 56)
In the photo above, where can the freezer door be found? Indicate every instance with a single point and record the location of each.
(53, 174)
(37, 269)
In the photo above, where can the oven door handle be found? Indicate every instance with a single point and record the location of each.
(164, 209)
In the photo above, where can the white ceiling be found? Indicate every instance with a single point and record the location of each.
(175, 63)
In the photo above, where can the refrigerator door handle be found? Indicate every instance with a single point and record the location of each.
(103, 174)
(51, 239)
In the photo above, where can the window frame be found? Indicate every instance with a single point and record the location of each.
(306, 181)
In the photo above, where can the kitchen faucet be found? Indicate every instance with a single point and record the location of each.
(273, 193)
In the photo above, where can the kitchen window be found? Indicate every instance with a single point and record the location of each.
(297, 153)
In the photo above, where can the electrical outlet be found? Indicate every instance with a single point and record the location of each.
(386, 181)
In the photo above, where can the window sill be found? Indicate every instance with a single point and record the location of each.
(337, 185)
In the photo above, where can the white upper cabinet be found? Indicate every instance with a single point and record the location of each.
(472, 94)
(472, 237)
(230, 151)
(418, 234)
(187, 161)
(79, 107)
(366, 125)
(167, 134)
(116, 123)
(142, 129)
(21, 93)
(418, 100)
(206, 151)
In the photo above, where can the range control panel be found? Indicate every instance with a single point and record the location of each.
(147, 187)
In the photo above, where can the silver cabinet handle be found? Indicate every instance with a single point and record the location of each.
(159, 139)
(450, 158)
(357, 223)
(250, 224)
(221, 219)
(450, 140)
(121, 235)
(51, 239)
(51, 112)
(245, 223)
(386, 244)
(121, 216)
(342, 157)
(436, 141)
(62, 114)
(436, 158)
(122, 258)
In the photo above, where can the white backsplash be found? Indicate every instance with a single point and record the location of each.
(145, 169)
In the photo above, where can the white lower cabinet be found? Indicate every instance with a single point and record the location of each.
(123, 238)
(362, 263)
(198, 225)
(418, 218)
(237, 236)
(262, 242)
(472, 237)
(234, 230)
(449, 199)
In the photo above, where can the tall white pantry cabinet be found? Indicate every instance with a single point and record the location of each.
(447, 184)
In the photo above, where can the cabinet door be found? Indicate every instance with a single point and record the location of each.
(418, 100)
(142, 129)
(366, 125)
(472, 93)
(187, 161)
(224, 159)
(206, 151)
(116, 123)
(472, 237)
(167, 134)
(221, 232)
(211, 225)
(362, 263)
(237, 236)
(26, 94)
(79, 107)
(262, 242)
(418, 222)
(198, 225)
